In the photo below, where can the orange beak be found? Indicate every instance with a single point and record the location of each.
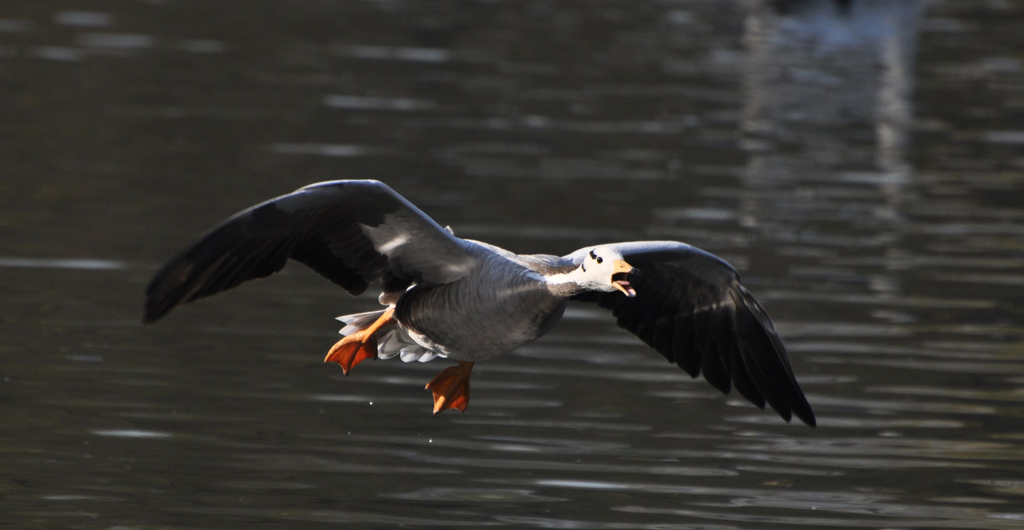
(621, 267)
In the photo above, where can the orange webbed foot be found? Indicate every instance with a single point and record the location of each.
(352, 350)
(359, 346)
(451, 388)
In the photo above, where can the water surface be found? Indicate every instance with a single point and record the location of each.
(861, 166)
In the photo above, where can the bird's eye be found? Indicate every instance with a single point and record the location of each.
(593, 255)
(599, 260)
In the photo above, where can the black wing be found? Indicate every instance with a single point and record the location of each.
(352, 232)
(691, 308)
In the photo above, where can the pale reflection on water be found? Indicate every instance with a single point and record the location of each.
(859, 162)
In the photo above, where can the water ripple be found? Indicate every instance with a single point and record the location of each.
(62, 263)
(326, 465)
(474, 495)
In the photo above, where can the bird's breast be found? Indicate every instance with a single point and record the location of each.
(479, 317)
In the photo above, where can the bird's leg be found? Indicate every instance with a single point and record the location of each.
(360, 345)
(451, 388)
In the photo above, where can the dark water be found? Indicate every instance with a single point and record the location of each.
(863, 166)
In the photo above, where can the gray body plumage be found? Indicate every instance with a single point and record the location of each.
(472, 301)
(496, 308)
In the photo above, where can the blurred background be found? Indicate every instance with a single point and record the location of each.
(860, 162)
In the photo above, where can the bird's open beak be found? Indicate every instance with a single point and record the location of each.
(619, 272)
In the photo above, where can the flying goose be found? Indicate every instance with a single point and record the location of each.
(470, 301)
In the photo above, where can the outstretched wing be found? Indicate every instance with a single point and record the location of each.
(691, 308)
(352, 232)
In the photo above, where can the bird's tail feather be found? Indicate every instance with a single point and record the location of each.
(392, 340)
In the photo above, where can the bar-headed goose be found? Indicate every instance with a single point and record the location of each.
(470, 301)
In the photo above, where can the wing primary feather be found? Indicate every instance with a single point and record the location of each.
(683, 344)
(665, 328)
(713, 366)
(665, 323)
(647, 312)
(741, 378)
(701, 340)
(767, 353)
(651, 314)
(763, 362)
(630, 316)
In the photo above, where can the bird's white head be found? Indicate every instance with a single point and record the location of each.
(603, 269)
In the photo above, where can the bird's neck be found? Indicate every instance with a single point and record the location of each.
(564, 283)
